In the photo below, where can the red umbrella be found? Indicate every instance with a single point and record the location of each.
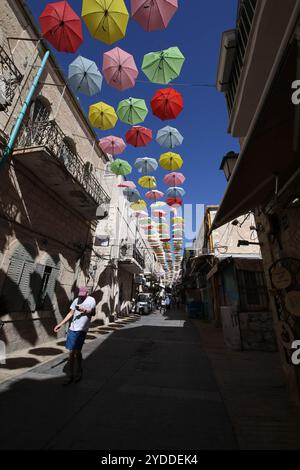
(138, 136)
(174, 201)
(167, 104)
(61, 26)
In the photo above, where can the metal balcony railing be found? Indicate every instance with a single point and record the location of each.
(10, 78)
(48, 134)
(138, 257)
(246, 12)
(128, 251)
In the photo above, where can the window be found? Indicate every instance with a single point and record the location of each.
(253, 292)
(28, 286)
(41, 110)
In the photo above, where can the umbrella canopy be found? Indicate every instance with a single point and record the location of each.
(157, 205)
(159, 213)
(131, 194)
(132, 110)
(178, 219)
(174, 179)
(120, 167)
(106, 20)
(145, 220)
(102, 116)
(163, 66)
(61, 26)
(138, 214)
(138, 136)
(167, 104)
(146, 165)
(154, 15)
(138, 205)
(127, 184)
(154, 194)
(112, 145)
(174, 201)
(147, 182)
(175, 191)
(170, 161)
(169, 137)
(84, 76)
(119, 69)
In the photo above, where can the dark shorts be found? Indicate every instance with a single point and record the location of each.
(75, 339)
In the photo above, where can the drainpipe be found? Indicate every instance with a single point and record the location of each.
(9, 146)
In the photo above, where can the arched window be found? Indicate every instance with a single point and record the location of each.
(41, 110)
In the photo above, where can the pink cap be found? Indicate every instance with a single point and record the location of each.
(83, 291)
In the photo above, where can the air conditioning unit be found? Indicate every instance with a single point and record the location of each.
(101, 212)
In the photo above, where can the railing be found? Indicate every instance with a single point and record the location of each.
(246, 12)
(138, 257)
(10, 78)
(49, 135)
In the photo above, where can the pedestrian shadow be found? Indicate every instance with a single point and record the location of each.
(19, 363)
(46, 351)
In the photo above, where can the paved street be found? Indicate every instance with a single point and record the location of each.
(148, 384)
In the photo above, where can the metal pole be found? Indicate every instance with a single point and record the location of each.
(9, 146)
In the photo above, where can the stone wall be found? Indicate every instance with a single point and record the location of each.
(257, 331)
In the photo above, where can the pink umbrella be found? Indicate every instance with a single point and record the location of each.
(138, 214)
(174, 179)
(153, 15)
(119, 69)
(159, 213)
(112, 145)
(127, 184)
(154, 194)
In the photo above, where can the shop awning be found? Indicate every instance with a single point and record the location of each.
(269, 150)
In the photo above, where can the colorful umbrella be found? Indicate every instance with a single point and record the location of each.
(127, 184)
(169, 137)
(132, 110)
(153, 15)
(138, 136)
(112, 145)
(154, 194)
(170, 161)
(158, 213)
(61, 26)
(163, 66)
(175, 191)
(102, 116)
(106, 20)
(120, 167)
(139, 214)
(146, 165)
(138, 205)
(84, 76)
(176, 220)
(145, 220)
(132, 195)
(119, 69)
(174, 179)
(157, 205)
(167, 104)
(174, 201)
(147, 182)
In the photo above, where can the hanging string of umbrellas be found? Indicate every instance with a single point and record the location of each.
(107, 22)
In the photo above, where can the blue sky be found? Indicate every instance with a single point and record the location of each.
(196, 29)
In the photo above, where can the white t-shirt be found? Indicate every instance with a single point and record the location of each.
(81, 322)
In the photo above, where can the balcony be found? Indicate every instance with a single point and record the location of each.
(10, 78)
(131, 259)
(46, 151)
(251, 55)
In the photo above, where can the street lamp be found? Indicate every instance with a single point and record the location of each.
(228, 163)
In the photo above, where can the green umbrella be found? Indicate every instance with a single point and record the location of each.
(163, 66)
(132, 111)
(120, 167)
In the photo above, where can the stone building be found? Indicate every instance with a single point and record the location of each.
(53, 191)
(259, 76)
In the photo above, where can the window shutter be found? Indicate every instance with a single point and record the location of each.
(35, 286)
(48, 304)
(25, 284)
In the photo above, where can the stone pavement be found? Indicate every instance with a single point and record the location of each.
(253, 388)
(147, 384)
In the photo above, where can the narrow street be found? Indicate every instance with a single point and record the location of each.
(146, 385)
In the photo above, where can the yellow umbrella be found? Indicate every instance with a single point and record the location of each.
(102, 116)
(138, 205)
(175, 220)
(106, 20)
(170, 161)
(147, 182)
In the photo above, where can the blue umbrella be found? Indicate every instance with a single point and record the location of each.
(84, 76)
(169, 137)
(132, 194)
(175, 191)
(146, 165)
